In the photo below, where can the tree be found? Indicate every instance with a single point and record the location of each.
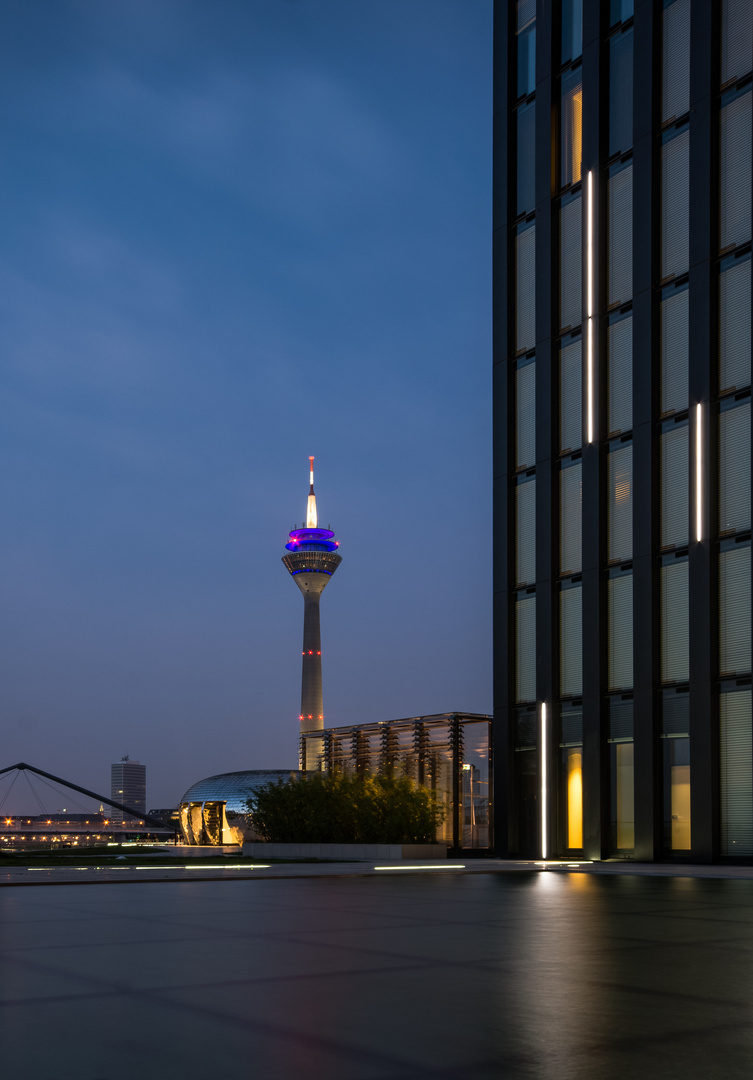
(345, 809)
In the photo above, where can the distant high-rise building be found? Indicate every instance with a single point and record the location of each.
(622, 410)
(128, 786)
(312, 560)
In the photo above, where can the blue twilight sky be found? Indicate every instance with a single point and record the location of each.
(236, 233)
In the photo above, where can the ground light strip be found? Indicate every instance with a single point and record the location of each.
(239, 866)
(450, 866)
(557, 864)
(544, 838)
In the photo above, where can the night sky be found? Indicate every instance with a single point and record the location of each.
(236, 233)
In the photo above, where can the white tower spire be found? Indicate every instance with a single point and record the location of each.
(311, 509)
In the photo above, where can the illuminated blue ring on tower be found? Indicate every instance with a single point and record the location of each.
(312, 540)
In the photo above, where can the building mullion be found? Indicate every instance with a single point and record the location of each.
(704, 756)
(645, 446)
(503, 434)
(594, 509)
(547, 291)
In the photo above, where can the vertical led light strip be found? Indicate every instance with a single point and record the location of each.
(698, 478)
(590, 306)
(544, 837)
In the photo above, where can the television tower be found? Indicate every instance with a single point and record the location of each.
(312, 560)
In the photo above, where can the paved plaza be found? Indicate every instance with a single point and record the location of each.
(354, 976)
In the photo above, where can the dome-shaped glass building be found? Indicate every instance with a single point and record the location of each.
(213, 811)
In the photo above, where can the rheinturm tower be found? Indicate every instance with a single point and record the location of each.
(311, 560)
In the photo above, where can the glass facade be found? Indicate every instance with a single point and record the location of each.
(571, 395)
(525, 531)
(620, 631)
(674, 604)
(525, 292)
(734, 323)
(620, 373)
(620, 502)
(571, 262)
(571, 639)
(674, 491)
(674, 346)
(449, 753)
(621, 91)
(571, 777)
(621, 751)
(630, 610)
(675, 749)
(525, 33)
(571, 498)
(571, 141)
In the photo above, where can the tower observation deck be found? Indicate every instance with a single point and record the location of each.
(311, 561)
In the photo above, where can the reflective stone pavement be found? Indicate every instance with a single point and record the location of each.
(464, 976)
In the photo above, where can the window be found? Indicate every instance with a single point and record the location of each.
(736, 772)
(734, 324)
(571, 776)
(525, 287)
(619, 11)
(571, 640)
(526, 187)
(620, 631)
(525, 649)
(525, 415)
(526, 35)
(571, 262)
(736, 147)
(674, 485)
(571, 141)
(572, 29)
(620, 503)
(571, 500)
(675, 60)
(675, 340)
(622, 786)
(620, 374)
(675, 195)
(734, 467)
(571, 395)
(621, 92)
(675, 655)
(527, 789)
(737, 39)
(525, 531)
(734, 609)
(675, 726)
(620, 245)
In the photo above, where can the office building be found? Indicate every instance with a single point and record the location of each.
(127, 786)
(622, 346)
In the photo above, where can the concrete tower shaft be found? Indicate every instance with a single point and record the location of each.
(312, 559)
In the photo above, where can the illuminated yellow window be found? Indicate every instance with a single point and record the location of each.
(575, 798)
(571, 146)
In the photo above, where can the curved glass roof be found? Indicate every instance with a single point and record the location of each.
(234, 788)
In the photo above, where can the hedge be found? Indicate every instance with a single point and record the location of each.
(345, 809)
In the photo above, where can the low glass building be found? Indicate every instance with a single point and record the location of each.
(449, 753)
(213, 811)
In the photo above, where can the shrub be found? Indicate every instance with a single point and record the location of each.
(323, 809)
